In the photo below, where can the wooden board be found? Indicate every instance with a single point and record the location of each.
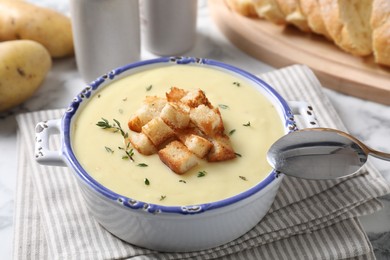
(280, 46)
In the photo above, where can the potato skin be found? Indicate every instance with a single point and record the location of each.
(24, 65)
(23, 20)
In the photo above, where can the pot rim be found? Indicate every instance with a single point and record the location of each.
(130, 203)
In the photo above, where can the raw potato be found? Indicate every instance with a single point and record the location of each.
(23, 67)
(22, 20)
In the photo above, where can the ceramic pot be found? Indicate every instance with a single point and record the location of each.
(166, 228)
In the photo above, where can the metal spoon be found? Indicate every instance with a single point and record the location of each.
(320, 153)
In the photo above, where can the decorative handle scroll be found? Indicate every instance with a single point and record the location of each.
(306, 111)
(43, 154)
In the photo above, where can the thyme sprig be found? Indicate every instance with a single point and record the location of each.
(105, 124)
(129, 155)
(129, 152)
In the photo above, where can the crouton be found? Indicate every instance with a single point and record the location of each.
(158, 132)
(177, 157)
(221, 150)
(141, 118)
(150, 109)
(174, 116)
(155, 103)
(175, 94)
(208, 120)
(196, 144)
(195, 98)
(142, 143)
(183, 129)
(190, 130)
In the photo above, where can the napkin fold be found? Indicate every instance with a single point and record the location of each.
(308, 219)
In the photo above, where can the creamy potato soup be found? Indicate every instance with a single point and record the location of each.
(251, 122)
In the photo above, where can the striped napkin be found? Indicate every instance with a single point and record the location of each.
(308, 220)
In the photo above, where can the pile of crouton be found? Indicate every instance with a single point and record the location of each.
(183, 128)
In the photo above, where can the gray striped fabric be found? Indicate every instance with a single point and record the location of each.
(308, 220)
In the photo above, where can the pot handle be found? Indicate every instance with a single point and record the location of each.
(305, 111)
(43, 154)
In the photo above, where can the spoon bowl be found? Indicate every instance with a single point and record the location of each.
(320, 153)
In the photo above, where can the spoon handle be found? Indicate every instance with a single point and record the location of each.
(380, 155)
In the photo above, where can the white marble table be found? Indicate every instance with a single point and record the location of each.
(368, 121)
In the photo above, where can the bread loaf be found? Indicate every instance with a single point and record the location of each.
(269, 9)
(244, 7)
(359, 27)
(311, 9)
(293, 14)
(380, 24)
(348, 23)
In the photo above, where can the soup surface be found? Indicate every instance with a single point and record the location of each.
(250, 120)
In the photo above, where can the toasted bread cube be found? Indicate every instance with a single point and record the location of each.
(174, 116)
(177, 157)
(155, 103)
(141, 118)
(150, 109)
(198, 145)
(175, 94)
(190, 130)
(208, 120)
(158, 132)
(222, 149)
(195, 98)
(142, 143)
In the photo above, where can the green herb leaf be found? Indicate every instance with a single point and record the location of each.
(237, 83)
(130, 154)
(232, 131)
(104, 124)
(146, 181)
(237, 154)
(201, 174)
(142, 165)
(243, 178)
(149, 88)
(223, 106)
(117, 126)
(183, 181)
(162, 197)
(108, 149)
(247, 124)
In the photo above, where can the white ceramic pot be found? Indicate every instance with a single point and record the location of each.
(167, 228)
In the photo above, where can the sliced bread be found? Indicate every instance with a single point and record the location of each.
(243, 7)
(380, 24)
(293, 14)
(348, 24)
(311, 9)
(269, 10)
